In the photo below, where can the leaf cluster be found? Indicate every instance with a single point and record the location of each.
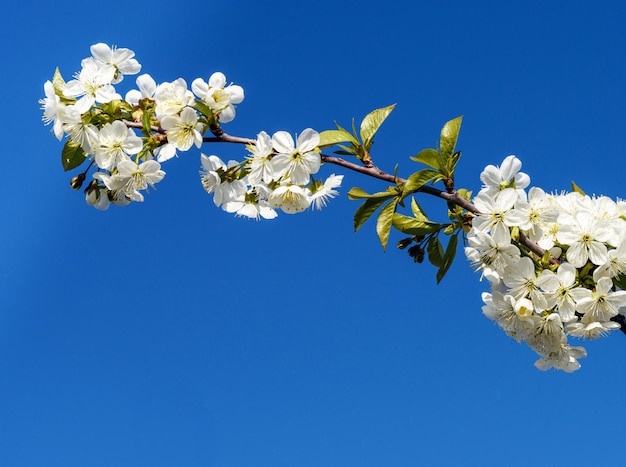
(426, 236)
(358, 145)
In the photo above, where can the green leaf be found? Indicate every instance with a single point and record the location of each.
(413, 226)
(429, 157)
(417, 180)
(577, 189)
(371, 123)
(417, 211)
(383, 224)
(435, 252)
(204, 109)
(332, 137)
(454, 160)
(357, 193)
(449, 136)
(448, 257)
(365, 211)
(72, 155)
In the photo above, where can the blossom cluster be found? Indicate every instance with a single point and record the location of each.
(276, 175)
(127, 140)
(574, 289)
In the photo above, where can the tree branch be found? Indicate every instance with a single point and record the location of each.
(371, 170)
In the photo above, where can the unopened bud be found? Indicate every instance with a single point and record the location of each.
(417, 253)
(77, 182)
(402, 244)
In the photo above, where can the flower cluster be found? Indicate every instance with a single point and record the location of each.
(574, 289)
(127, 140)
(276, 175)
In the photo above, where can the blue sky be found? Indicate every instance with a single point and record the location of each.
(169, 333)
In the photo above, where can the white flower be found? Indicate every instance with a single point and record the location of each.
(616, 262)
(121, 59)
(172, 97)
(85, 134)
(210, 175)
(116, 143)
(592, 329)
(522, 280)
(533, 215)
(495, 214)
(298, 161)
(558, 288)
(182, 130)
(565, 358)
(547, 335)
(147, 87)
(496, 179)
(601, 304)
(489, 256)
(219, 97)
(516, 320)
(93, 83)
(324, 192)
(224, 191)
(291, 199)
(51, 105)
(250, 206)
(132, 177)
(261, 167)
(98, 198)
(586, 237)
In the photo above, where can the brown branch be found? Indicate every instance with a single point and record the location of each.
(156, 129)
(371, 170)
(224, 138)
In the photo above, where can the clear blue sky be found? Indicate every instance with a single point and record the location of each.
(169, 333)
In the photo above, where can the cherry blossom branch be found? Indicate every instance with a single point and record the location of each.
(370, 170)
(452, 196)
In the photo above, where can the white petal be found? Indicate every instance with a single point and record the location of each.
(283, 142)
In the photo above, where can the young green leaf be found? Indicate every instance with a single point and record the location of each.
(72, 155)
(417, 180)
(365, 211)
(448, 257)
(449, 136)
(357, 193)
(435, 252)
(204, 110)
(413, 226)
(385, 219)
(371, 123)
(429, 157)
(417, 211)
(331, 137)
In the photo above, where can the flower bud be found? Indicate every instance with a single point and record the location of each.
(417, 253)
(77, 182)
(402, 244)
